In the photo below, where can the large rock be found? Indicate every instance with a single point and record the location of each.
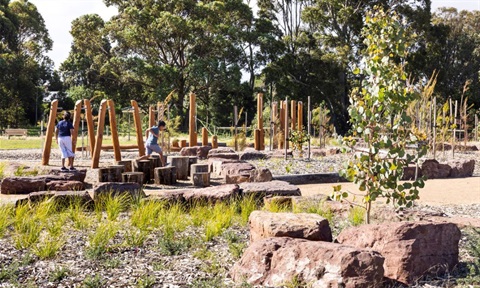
(410, 171)
(308, 226)
(262, 189)
(59, 185)
(78, 175)
(199, 151)
(63, 198)
(22, 185)
(212, 194)
(277, 261)
(461, 168)
(432, 169)
(252, 154)
(117, 188)
(411, 249)
(236, 178)
(168, 196)
(322, 152)
(260, 175)
(220, 150)
(236, 168)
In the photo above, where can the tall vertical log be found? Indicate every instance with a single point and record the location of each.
(293, 113)
(100, 126)
(273, 124)
(151, 118)
(76, 123)
(300, 116)
(214, 141)
(113, 125)
(309, 124)
(204, 136)
(260, 120)
(138, 128)
(90, 126)
(192, 123)
(286, 127)
(50, 129)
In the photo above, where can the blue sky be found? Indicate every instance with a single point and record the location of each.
(58, 15)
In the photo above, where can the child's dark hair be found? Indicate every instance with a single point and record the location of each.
(161, 123)
(66, 115)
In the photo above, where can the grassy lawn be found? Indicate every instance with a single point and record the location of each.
(37, 142)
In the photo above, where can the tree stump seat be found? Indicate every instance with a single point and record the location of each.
(133, 177)
(165, 175)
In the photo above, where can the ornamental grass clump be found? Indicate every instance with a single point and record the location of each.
(378, 114)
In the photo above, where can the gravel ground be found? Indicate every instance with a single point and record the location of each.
(198, 264)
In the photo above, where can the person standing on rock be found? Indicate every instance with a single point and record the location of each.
(63, 134)
(152, 141)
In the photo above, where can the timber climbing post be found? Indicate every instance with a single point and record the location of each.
(192, 123)
(113, 125)
(50, 129)
(138, 128)
(76, 123)
(98, 142)
(90, 127)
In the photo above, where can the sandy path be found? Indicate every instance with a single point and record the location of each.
(436, 191)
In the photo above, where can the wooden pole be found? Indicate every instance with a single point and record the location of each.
(50, 129)
(235, 121)
(151, 118)
(113, 125)
(300, 115)
(260, 119)
(204, 136)
(192, 129)
(309, 123)
(274, 127)
(90, 126)
(434, 126)
(293, 114)
(138, 128)
(100, 126)
(282, 124)
(286, 127)
(454, 138)
(76, 123)
(476, 127)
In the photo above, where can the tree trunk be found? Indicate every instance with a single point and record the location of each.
(165, 175)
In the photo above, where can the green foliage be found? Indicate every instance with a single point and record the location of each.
(220, 219)
(135, 238)
(246, 205)
(94, 281)
(58, 274)
(48, 247)
(146, 281)
(20, 171)
(10, 271)
(144, 216)
(2, 170)
(99, 240)
(378, 115)
(6, 215)
(356, 216)
(170, 245)
(298, 138)
(471, 273)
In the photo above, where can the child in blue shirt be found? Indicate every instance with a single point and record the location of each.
(63, 134)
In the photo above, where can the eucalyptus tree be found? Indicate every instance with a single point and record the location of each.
(24, 64)
(180, 46)
(454, 52)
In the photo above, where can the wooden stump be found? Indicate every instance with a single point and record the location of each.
(191, 160)
(144, 166)
(133, 177)
(197, 168)
(111, 173)
(165, 175)
(154, 163)
(181, 163)
(126, 163)
(201, 179)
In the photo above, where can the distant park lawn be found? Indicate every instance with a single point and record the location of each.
(37, 142)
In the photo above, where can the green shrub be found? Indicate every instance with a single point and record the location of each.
(94, 282)
(6, 217)
(170, 246)
(58, 274)
(100, 239)
(48, 247)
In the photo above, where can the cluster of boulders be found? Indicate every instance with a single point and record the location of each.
(287, 248)
(432, 169)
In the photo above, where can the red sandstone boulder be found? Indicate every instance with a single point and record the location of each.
(118, 188)
(236, 168)
(260, 175)
(264, 224)
(22, 185)
(252, 154)
(63, 198)
(278, 260)
(78, 175)
(212, 194)
(223, 153)
(237, 178)
(461, 168)
(199, 151)
(432, 169)
(411, 249)
(276, 188)
(64, 185)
